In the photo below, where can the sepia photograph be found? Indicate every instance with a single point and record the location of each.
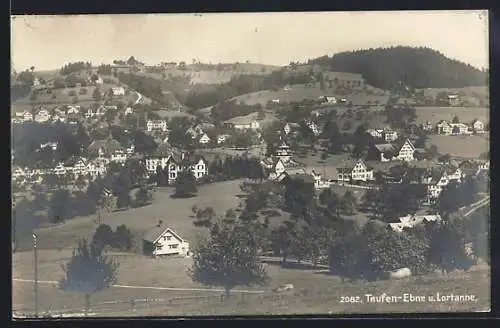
(243, 164)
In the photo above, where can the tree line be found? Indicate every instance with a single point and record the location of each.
(389, 68)
(75, 67)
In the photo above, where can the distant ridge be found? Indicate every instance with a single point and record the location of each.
(419, 67)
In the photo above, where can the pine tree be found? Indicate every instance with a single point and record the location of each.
(88, 271)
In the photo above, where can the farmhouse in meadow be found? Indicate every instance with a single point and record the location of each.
(161, 241)
(358, 171)
(477, 126)
(402, 151)
(446, 128)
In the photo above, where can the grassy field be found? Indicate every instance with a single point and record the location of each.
(172, 113)
(63, 97)
(315, 291)
(298, 93)
(468, 91)
(215, 77)
(466, 115)
(174, 213)
(460, 146)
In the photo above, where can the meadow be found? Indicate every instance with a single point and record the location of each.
(175, 213)
(315, 291)
(297, 93)
(460, 146)
(465, 114)
(63, 97)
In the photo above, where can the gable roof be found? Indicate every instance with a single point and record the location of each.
(154, 234)
(108, 145)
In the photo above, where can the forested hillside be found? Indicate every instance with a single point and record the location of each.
(416, 67)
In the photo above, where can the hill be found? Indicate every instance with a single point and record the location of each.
(419, 67)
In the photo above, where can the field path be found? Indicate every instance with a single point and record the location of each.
(477, 206)
(48, 282)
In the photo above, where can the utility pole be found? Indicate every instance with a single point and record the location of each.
(35, 240)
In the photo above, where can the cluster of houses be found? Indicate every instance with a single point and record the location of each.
(68, 113)
(174, 163)
(449, 128)
(102, 152)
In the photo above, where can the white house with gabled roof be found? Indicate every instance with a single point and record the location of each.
(161, 241)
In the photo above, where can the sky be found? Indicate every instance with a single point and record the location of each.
(49, 42)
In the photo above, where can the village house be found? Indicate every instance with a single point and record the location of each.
(358, 171)
(453, 100)
(204, 139)
(477, 126)
(129, 111)
(438, 179)
(119, 156)
(131, 149)
(106, 147)
(160, 125)
(73, 110)
(427, 126)
(195, 131)
(389, 135)
(222, 138)
(118, 91)
(387, 152)
(52, 145)
(96, 168)
(153, 161)
(284, 152)
(176, 163)
(313, 127)
(319, 180)
(60, 169)
(376, 133)
(42, 116)
(289, 127)
(273, 166)
(410, 221)
(27, 116)
(248, 122)
(164, 241)
(330, 100)
(484, 165)
(18, 172)
(446, 128)
(58, 118)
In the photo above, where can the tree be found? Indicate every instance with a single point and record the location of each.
(96, 94)
(331, 200)
(75, 100)
(299, 196)
(142, 197)
(103, 237)
(348, 203)
(185, 184)
(88, 271)
(80, 182)
(455, 119)
(59, 205)
(204, 217)
(123, 238)
(390, 250)
(228, 258)
(447, 246)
